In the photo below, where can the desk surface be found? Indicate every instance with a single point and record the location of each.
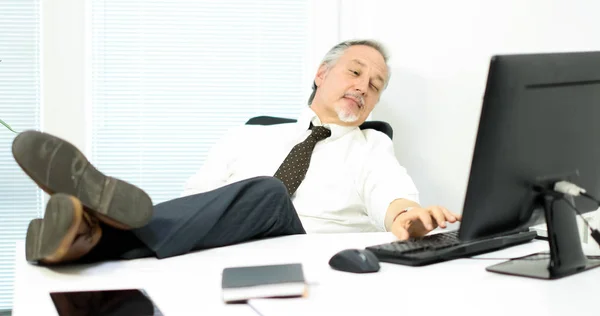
(191, 284)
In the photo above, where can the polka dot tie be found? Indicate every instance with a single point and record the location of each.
(293, 169)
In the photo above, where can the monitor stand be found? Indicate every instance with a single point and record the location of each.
(566, 254)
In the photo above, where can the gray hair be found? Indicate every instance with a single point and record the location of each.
(334, 54)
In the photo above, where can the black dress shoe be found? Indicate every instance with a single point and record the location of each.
(57, 166)
(66, 233)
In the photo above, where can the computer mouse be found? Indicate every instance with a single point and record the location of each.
(355, 260)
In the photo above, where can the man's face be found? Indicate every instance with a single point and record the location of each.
(348, 91)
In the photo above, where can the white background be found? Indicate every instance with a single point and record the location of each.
(66, 57)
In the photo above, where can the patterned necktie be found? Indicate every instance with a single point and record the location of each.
(293, 169)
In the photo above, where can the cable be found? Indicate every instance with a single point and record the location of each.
(591, 197)
(578, 212)
(595, 232)
(569, 188)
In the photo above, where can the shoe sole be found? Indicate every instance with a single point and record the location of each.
(57, 166)
(49, 239)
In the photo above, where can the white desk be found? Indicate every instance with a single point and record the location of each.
(191, 284)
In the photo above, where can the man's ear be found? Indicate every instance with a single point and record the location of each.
(321, 74)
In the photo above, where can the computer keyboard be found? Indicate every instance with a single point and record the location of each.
(426, 243)
(443, 247)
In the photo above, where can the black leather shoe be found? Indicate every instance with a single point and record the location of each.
(57, 166)
(66, 233)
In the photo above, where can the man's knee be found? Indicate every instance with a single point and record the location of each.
(270, 186)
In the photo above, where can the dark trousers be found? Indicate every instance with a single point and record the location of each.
(247, 210)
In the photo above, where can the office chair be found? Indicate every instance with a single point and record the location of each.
(272, 120)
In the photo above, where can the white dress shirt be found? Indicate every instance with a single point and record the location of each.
(352, 178)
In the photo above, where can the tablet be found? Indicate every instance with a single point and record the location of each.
(131, 302)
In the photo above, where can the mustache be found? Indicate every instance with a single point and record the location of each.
(355, 96)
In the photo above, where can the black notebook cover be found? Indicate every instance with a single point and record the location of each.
(242, 283)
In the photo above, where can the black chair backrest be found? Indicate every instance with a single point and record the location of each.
(272, 120)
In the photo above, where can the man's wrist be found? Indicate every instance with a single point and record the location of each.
(395, 209)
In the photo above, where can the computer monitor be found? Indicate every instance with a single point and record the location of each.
(539, 124)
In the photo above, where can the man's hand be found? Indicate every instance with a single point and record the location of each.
(419, 221)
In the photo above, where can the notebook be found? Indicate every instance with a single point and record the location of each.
(281, 280)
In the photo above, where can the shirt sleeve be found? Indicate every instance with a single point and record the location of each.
(383, 179)
(216, 169)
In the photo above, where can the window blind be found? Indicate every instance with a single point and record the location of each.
(169, 78)
(20, 198)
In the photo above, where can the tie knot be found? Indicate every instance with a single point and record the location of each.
(319, 132)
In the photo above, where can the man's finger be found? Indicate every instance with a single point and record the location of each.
(400, 232)
(457, 216)
(439, 216)
(425, 218)
(452, 218)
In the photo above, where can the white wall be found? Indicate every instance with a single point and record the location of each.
(64, 91)
(66, 62)
(440, 53)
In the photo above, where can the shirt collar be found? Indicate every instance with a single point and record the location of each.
(308, 116)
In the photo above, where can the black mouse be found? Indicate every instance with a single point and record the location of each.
(355, 260)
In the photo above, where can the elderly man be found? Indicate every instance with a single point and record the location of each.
(321, 174)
